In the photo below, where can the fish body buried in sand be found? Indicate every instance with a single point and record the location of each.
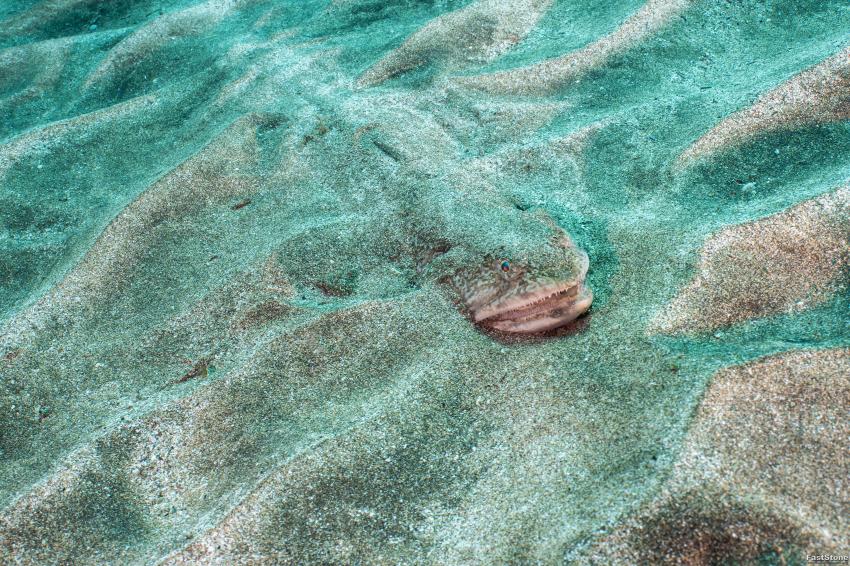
(530, 296)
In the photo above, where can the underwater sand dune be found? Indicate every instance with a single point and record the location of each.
(784, 263)
(275, 290)
(29, 70)
(143, 43)
(41, 141)
(37, 21)
(818, 95)
(767, 446)
(211, 176)
(186, 462)
(552, 74)
(472, 35)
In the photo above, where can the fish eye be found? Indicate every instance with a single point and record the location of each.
(506, 266)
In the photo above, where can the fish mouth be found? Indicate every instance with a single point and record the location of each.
(543, 309)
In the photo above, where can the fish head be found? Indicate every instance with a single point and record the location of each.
(536, 291)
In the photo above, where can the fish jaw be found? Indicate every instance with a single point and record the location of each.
(544, 310)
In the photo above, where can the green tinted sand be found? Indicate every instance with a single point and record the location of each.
(761, 471)
(226, 334)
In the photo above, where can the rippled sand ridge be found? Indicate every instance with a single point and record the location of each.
(424, 282)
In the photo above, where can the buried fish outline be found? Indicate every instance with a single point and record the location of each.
(509, 269)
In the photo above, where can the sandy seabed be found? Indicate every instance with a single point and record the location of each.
(232, 234)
